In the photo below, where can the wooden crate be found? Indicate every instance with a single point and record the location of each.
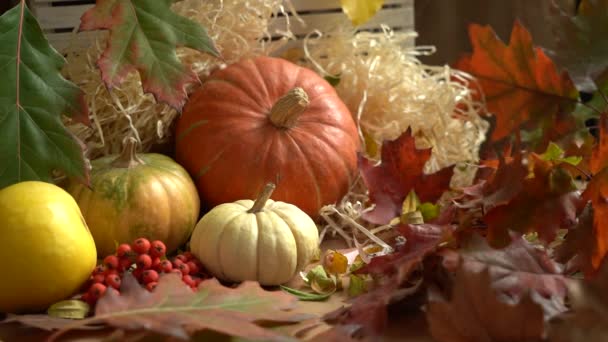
(59, 17)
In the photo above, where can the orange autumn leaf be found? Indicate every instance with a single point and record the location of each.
(522, 86)
(597, 193)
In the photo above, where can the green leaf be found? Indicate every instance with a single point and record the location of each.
(33, 96)
(556, 154)
(429, 211)
(320, 281)
(143, 36)
(72, 309)
(360, 11)
(357, 286)
(307, 296)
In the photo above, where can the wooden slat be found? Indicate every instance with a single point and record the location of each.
(61, 40)
(313, 5)
(60, 17)
(399, 17)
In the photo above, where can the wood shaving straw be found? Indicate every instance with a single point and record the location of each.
(239, 28)
(388, 90)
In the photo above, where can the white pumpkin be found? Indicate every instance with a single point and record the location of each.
(266, 241)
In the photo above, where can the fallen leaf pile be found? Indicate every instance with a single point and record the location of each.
(520, 254)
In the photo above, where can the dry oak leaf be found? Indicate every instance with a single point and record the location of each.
(369, 311)
(475, 313)
(588, 320)
(579, 245)
(174, 310)
(514, 270)
(400, 171)
(521, 85)
(143, 36)
(597, 193)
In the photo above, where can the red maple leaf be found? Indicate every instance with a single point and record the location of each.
(522, 86)
(597, 193)
(400, 172)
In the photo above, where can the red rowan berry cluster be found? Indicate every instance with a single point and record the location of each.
(147, 261)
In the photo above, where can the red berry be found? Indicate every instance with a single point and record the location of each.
(99, 278)
(189, 256)
(123, 249)
(158, 249)
(184, 268)
(144, 261)
(151, 286)
(181, 258)
(86, 297)
(96, 291)
(155, 263)
(176, 262)
(138, 273)
(113, 280)
(188, 280)
(111, 262)
(141, 246)
(165, 266)
(149, 276)
(99, 269)
(125, 263)
(197, 280)
(192, 267)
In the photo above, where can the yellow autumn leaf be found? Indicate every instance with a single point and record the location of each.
(360, 11)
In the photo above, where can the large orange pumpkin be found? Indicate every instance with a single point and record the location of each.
(268, 120)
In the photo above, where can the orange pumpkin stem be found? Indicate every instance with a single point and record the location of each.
(285, 112)
(260, 202)
(128, 157)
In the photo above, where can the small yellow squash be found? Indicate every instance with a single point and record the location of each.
(138, 195)
(266, 241)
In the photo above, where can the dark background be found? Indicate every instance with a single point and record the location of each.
(443, 23)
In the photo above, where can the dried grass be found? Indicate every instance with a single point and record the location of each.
(239, 28)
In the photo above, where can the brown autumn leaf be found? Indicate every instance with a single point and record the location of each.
(174, 310)
(597, 193)
(579, 245)
(369, 311)
(547, 201)
(588, 319)
(514, 270)
(521, 85)
(401, 171)
(474, 312)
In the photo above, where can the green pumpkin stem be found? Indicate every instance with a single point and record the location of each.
(128, 157)
(260, 202)
(285, 112)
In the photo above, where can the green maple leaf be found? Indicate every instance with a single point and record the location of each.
(144, 35)
(33, 95)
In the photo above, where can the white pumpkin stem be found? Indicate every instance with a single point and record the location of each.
(260, 202)
(285, 112)
(128, 157)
